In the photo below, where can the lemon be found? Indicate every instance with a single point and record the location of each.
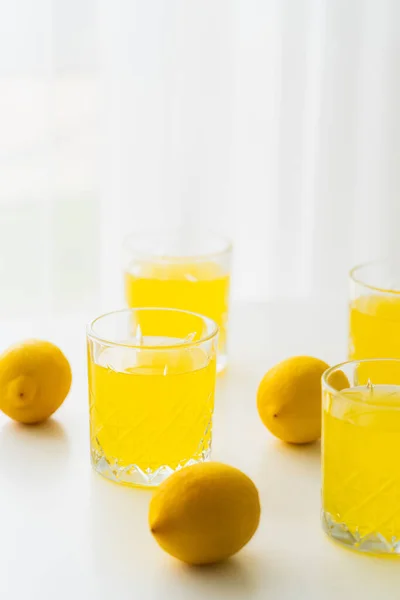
(289, 399)
(204, 513)
(35, 378)
(338, 380)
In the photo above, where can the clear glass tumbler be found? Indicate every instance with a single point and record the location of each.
(186, 269)
(360, 455)
(151, 392)
(375, 310)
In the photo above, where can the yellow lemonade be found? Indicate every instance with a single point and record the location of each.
(150, 410)
(201, 287)
(375, 326)
(360, 467)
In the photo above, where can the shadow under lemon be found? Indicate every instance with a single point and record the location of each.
(237, 577)
(307, 455)
(35, 454)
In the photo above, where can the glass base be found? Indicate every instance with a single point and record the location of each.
(222, 362)
(372, 543)
(133, 475)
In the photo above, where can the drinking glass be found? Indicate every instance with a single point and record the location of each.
(375, 310)
(360, 445)
(151, 392)
(186, 269)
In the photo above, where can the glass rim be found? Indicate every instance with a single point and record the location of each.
(199, 257)
(354, 270)
(326, 374)
(90, 332)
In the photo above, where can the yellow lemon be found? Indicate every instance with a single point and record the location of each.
(289, 399)
(35, 378)
(338, 380)
(204, 513)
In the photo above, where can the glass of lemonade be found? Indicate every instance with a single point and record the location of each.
(375, 310)
(185, 269)
(151, 392)
(360, 447)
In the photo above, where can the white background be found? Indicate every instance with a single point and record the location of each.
(274, 121)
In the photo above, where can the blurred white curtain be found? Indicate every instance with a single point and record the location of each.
(276, 122)
(49, 209)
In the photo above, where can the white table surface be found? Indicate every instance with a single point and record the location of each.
(67, 533)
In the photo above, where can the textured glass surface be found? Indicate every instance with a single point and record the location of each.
(151, 397)
(360, 442)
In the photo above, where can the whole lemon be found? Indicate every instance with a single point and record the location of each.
(204, 513)
(35, 378)
(289, 399)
